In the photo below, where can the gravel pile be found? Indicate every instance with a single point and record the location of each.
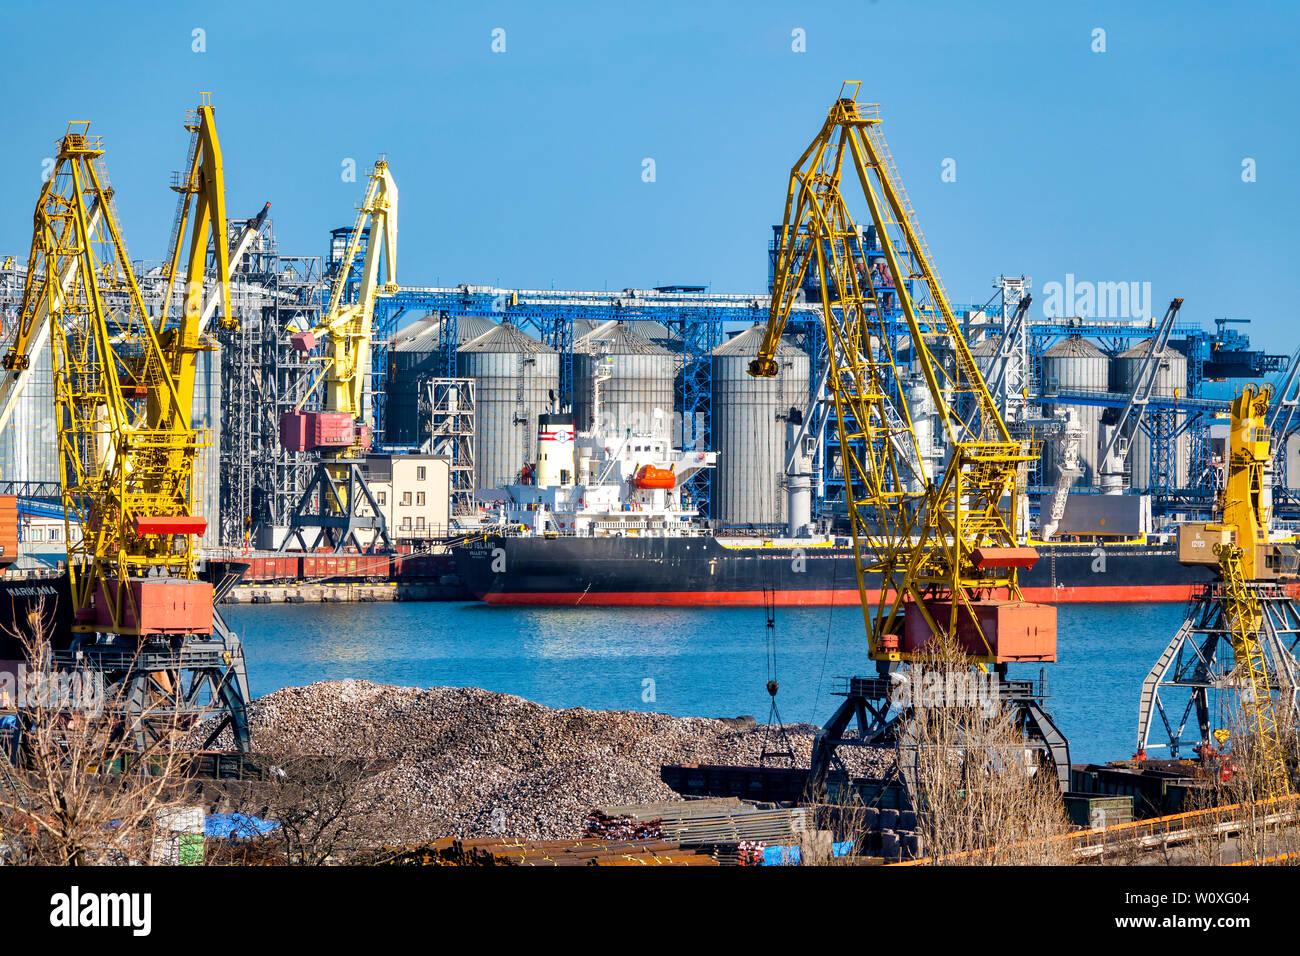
(469, 762)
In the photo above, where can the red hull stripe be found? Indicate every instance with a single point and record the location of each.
(1128, 594)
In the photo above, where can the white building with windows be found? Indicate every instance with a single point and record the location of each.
(413, 493)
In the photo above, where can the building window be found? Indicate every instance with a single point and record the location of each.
(382, 497)
(406, 497)
(419, 499)
(419, 473)
(406, 523)
(419, 524)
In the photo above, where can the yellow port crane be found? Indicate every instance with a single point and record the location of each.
(334, 502)
(1247, 607)
(936, 546)
(127, 448)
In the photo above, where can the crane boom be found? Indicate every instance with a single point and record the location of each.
(348, 326)
(127, 448)
(339, 431)
(937, 555)
(921, 534)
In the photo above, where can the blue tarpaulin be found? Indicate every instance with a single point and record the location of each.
(789, 855)
(236, 825)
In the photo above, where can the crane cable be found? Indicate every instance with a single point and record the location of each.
(776, 742)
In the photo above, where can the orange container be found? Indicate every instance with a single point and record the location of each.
(8, 530)
(1015, 630)
(1005, 557)
(158, 606)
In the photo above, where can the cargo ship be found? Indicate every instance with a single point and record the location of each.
(605, 522)
(709, 570)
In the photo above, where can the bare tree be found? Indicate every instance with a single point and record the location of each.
(330, 809)
(982, 793)
(83, 791)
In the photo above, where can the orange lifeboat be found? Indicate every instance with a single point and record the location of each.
(648, 476)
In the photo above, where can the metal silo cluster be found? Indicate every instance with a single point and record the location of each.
(415, 356)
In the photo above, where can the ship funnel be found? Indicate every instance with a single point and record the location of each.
(555, 451)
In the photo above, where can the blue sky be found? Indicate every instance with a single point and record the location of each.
(524, 168)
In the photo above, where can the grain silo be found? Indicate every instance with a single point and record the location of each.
(620, 379)
(1171, 380)
(1075, 364)
(941, 354)
(415, 355)
(749, 428)
(516, 378)
(29, 444)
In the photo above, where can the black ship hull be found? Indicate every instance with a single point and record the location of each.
(667, 571)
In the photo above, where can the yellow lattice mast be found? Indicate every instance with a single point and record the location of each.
(349, 326)
(1245, 515)
(126, 448)
(1244, 619)
(940, 542)
(346, 327)
(201, 210)
(338, 493)
(143, 619)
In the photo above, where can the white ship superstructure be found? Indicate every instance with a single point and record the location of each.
(595, 484)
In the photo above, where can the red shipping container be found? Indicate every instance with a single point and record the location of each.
(1016, 630)
(158, 606)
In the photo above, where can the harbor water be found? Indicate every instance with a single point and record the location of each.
(707, 662)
